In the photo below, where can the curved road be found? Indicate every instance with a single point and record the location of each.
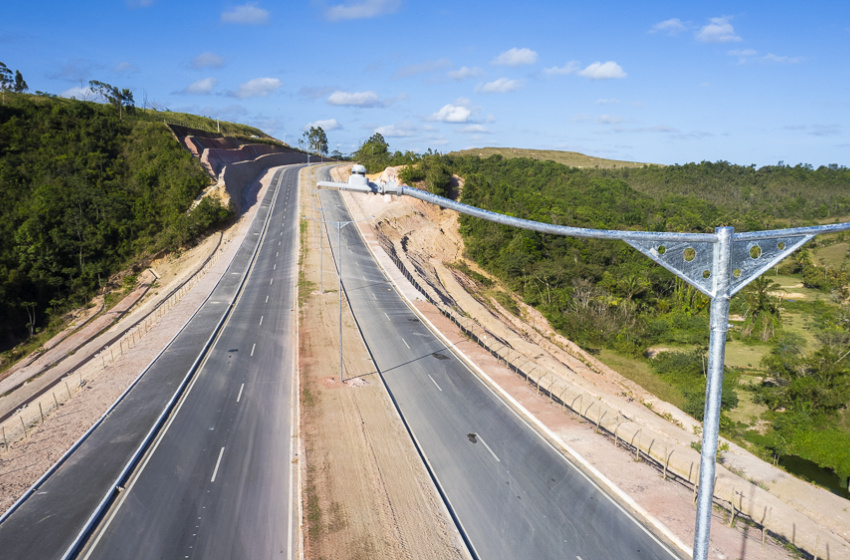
(254, 482)
(514, 495)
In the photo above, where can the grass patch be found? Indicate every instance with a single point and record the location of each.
(572, 159)
(832, 255)
(639, 371)
(745, 356)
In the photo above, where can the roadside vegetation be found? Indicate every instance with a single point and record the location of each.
(88, 189)
(787, 382)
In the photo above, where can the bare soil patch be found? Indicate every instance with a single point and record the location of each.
(366, 494)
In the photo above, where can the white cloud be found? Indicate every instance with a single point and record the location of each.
(452, 114)
(125, 67)
(201, 87)
(423, 68)
(516, 57)
(607, 101)
(464, 73)
(603, 71)
(671, 26)
(249, 14)
(570, 67)
(474, 129)
(770, 57)
(401, 130)
(362, 10)
(326, 124)
(207, 60)
(718, 31)
(609, 119)
(502, 85)
(81, 93)
(258, 87)
(354, 99)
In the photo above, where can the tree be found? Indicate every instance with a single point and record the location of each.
(317, 140)
(762, 315)
(5, 79)
(120, 99)
(20, 85)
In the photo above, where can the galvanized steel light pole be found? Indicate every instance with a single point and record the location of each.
(717, 264)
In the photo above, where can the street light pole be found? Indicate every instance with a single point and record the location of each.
(718, 264)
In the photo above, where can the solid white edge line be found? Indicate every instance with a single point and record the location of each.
(217, 463)
(567, 453)
(435, 383)
(239, 396)
(488, 448)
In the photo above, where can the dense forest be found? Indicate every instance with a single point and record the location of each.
(604, 294)
(87, 190)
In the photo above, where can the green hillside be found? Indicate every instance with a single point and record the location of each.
(88, 190)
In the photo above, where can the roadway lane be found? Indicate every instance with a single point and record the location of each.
(513, 493)
(49, 522)
(219, 483)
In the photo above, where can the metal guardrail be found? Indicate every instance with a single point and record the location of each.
(718, 264)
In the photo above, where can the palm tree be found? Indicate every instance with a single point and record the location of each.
(762, 315)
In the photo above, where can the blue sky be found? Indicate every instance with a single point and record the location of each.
(667, 82)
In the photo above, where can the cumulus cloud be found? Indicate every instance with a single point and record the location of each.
(718, 31)
(326, 124)
(201, 87)
(464, 73)
(361, 10)
(670, 26)
(570, 67)
(248, 14)
(770, 57)
(405, 129)
(423, 68)
(258, 87)
(354, 99)
(502, 85)
(207, 60)
(516, 57)
(603, 71)
(125, 68)
(453, 114)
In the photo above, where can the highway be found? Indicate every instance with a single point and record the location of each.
(512, 493)
(219, 482)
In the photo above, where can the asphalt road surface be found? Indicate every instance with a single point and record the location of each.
(48, 523)
(513, 494)
(219, 481)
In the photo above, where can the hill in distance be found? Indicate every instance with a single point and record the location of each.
(572, 159)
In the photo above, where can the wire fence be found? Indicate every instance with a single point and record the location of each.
(605, 420)
(34, 413)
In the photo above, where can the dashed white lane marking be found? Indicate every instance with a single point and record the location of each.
(261, 321)
(217, 463)
(388, 317)
(405, 343)
(252, 348)
(277, 254)
(271, 281)
(274, 267)
(239, 396)
(488, 449)
(374, 296)
(435, 383)
(267, 299)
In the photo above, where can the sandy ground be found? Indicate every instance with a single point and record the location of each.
(366, 494)
(425, 239)
(38, 436)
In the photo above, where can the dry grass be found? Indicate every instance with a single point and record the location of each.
(572, 159)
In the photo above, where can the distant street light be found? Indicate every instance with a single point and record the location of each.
(339, 226)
